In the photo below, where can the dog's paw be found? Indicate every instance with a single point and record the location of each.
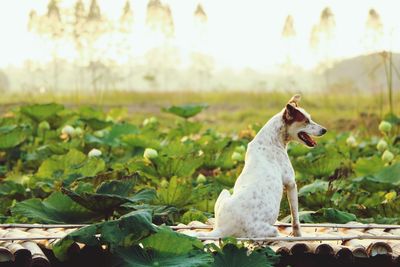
(296, 231)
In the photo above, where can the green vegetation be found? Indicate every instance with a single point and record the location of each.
(227, 112)
(126, 178)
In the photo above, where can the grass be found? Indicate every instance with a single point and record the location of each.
(228, 111)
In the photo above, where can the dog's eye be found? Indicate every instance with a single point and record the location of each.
(307, 121)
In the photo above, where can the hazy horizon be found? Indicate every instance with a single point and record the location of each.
(285, 38)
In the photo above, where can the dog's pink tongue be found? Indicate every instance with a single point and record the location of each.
(309, 139)
(312, 141)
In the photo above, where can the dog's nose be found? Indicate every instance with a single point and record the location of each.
(323, 131)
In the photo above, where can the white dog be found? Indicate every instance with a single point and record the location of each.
(253, 208)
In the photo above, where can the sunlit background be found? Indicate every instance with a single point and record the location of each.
(198, 45)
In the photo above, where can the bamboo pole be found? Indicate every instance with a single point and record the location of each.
(312, 238)
(23, 225)
(316, 225)
(347, 226)
(26, 238)
(38, 257)
(305, 225)
(266, 239)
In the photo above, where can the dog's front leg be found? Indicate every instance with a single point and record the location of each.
(294, 207)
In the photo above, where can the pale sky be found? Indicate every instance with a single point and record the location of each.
(241, 33)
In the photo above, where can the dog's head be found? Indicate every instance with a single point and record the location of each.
(299, 125)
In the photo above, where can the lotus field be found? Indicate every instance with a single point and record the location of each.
(130, 180)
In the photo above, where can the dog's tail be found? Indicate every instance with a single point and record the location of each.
(222, 196)
(216, 233)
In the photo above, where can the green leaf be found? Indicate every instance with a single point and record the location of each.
(178, 193)
(327, 215)
(109, 196)
(385, 179)
(41, 112)
(169, 242)
(85, 235)
(165, 248)
(381, 220)
(177, 159)
(114, 137)
(5, 204)
(119, 188)
(193, 215)
(317, 186)
(139, 257)
(144, 195)
(297, 150)
(69, 167)
(232, 256)
(184, 128)
(186, 111)
(318, 165)
(272, 258)
(57, 208)
(390, 174)
(99, 178)
(119, 130)
(140, 140)
(97, 124)
(11, 189)
(126, 231)
(161, 214)
(366, 166)
(87, 112)
(99, 203)
(12, 135)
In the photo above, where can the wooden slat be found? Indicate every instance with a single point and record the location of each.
(317, 238)
(347, 226)
(25, 238)
(22, 225)
(315, 225)
(306, 225)
(269, 239)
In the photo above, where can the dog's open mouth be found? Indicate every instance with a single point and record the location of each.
(307, 139)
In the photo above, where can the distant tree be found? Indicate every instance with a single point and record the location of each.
(202, 63)
(200, 15)
(160, 59)
(321, 40)
(126, 19)
(56, 30)
(327, 22)
(95, 27)
(51, 27)
(323, 33)
(159, 18)
(97, 39)
(78, 33)
(125, 44)
(33, 21)
(288, 30)
(373, 31)
(288, 37)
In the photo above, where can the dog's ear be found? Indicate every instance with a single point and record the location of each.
(295, 100)
(292, 114)
(288, 114)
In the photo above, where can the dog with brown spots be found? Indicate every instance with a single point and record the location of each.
(253, 207)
